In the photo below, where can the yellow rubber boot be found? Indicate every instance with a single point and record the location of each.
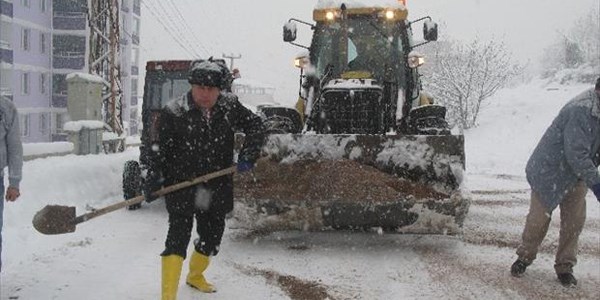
(199, 263)
(171, 271)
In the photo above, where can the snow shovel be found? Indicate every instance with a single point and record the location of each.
(57, 219)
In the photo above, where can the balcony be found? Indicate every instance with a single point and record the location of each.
(69, 20)
(68, 60)
(6, 55)
(60, 137)
(6, 92)
(6, 8)
(59, 100)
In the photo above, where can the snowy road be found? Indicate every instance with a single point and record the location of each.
(117, 256)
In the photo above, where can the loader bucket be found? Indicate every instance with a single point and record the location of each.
(430, 160)
(316, 181)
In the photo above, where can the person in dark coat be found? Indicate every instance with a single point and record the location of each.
(561, 169)
(197, 138)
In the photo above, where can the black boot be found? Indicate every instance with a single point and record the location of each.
(518, 268)
(567, 279)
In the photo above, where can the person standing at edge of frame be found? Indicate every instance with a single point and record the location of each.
(561, 169)
(11, 155)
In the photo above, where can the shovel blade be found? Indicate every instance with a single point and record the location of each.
(55, 219)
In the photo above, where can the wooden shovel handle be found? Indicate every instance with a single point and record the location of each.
(161, 192)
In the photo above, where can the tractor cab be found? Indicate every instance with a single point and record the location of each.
(361, 73)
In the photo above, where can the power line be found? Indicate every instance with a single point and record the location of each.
(139, 45)
(166, 28)
(187, 26)
(171, 20)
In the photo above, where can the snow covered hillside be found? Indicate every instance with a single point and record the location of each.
(116, 256)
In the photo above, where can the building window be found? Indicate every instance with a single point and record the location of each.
(135, 31)
(69, 45)
(133, 114)
(134, 87)
(42, 42)
(43, 123)
(43, 5)
(59, 84)
(135, 57)
(6, 33)
(25, 40)
(24, 120)
(26, 3)
(25, 83)
(59, 122)
(136, 7)
(5, 80)
(136, 26)
(43, 83)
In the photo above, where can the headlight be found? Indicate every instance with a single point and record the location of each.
(330, 16)
(415, 59)
(300, 62)
(389, 14)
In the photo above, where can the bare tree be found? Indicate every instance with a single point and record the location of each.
(577, 51)
(461, 76)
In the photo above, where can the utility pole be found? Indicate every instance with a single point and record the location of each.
(103, 18)
(231, 59)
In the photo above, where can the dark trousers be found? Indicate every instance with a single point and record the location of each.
(210, 224)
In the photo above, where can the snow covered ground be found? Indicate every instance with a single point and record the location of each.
(116, 256)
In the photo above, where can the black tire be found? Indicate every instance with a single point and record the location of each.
(428, 120)
(132, 184)
(280, 125)
(278, 119)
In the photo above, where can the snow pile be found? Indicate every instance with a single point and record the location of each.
(87, 77)
(111, 136)
(76, 126)
(34, 149)
(309, 146)
(413, 153)
(585, 73)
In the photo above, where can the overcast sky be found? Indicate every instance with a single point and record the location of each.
(253, 29)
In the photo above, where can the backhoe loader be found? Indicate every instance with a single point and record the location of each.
(365, 147)
(361, 101)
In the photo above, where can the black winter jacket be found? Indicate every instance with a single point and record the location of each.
(191, 146)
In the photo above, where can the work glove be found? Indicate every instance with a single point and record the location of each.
(152, 183)
(244, 166)
(596, 190)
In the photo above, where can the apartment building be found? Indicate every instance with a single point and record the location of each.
(41, 41)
